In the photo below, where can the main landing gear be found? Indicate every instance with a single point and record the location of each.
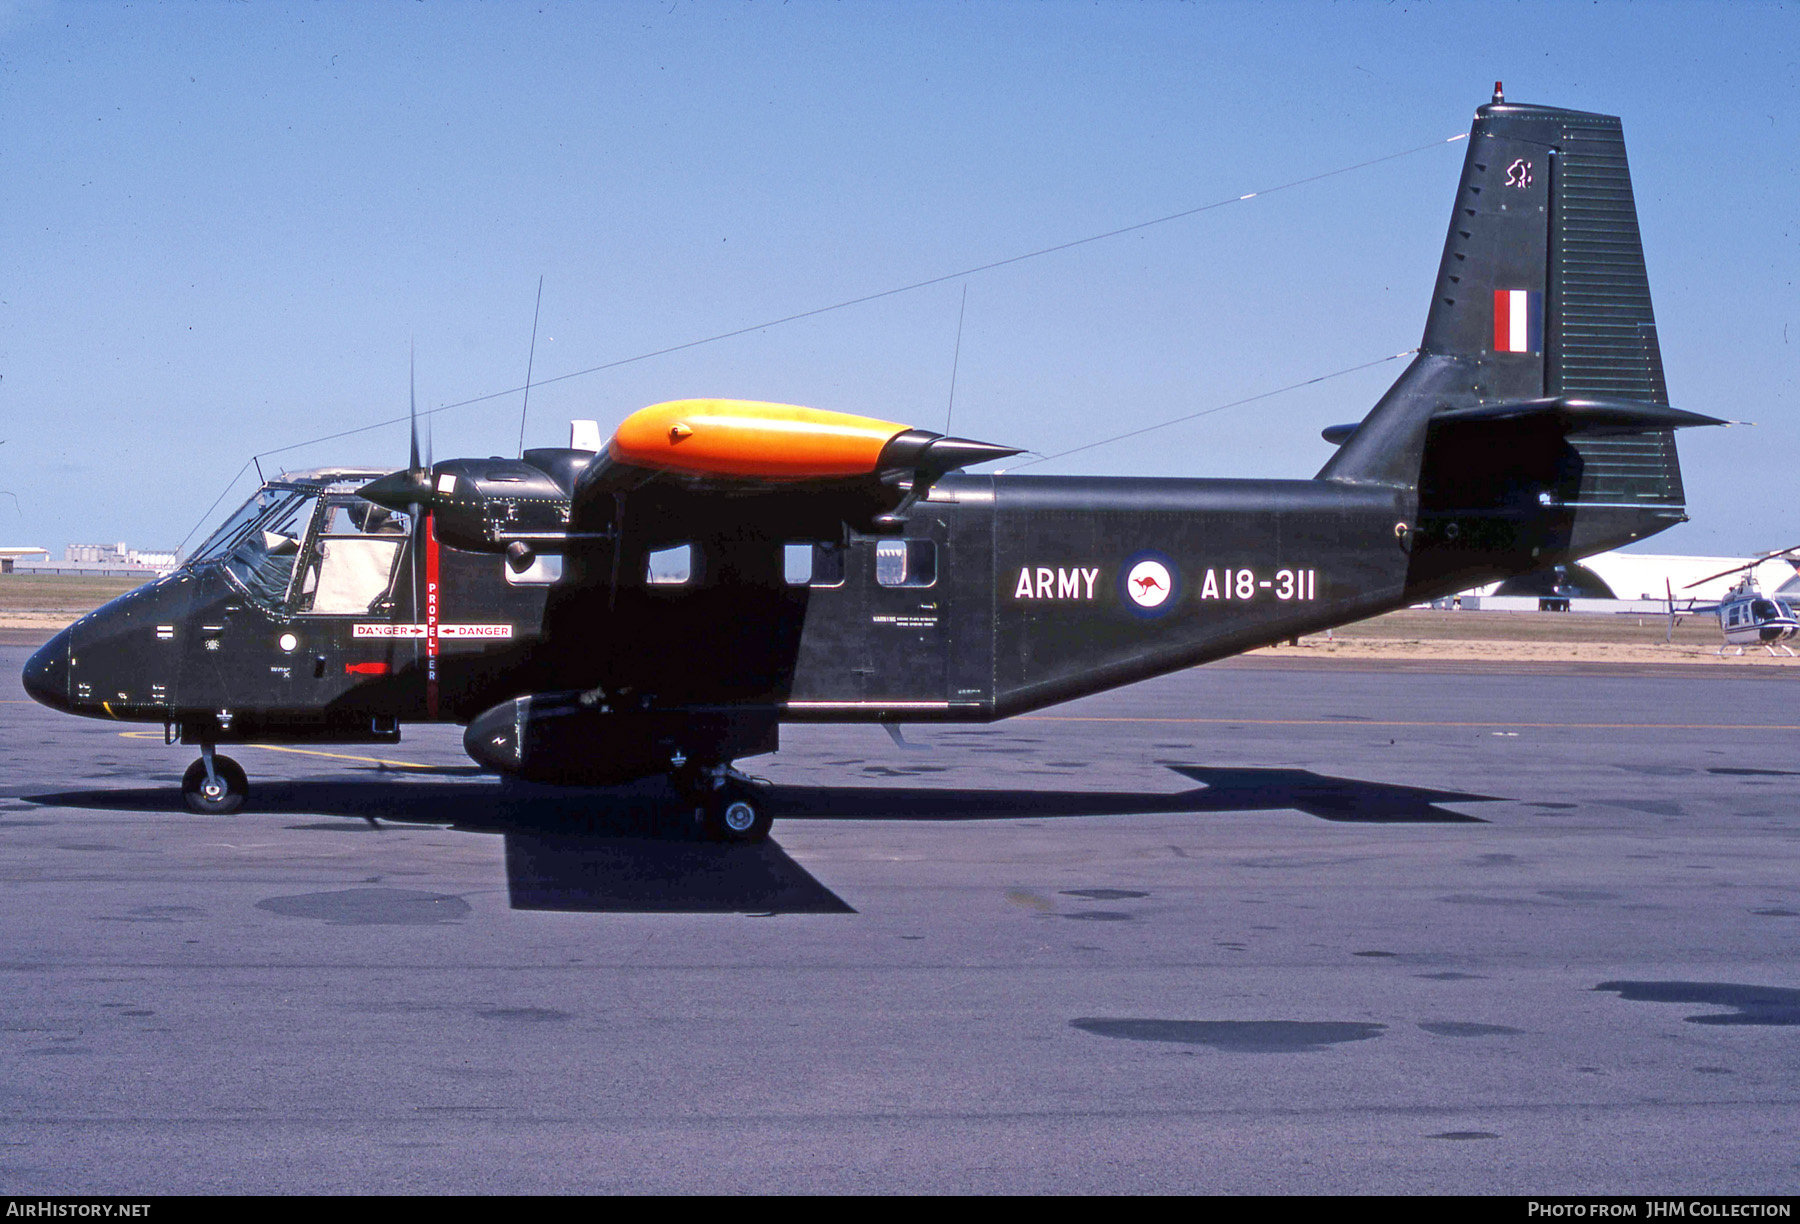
(214, 785)
(728, 805)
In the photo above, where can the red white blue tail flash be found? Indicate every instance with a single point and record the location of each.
(1518, 321)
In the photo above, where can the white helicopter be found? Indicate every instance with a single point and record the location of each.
(1747, 616)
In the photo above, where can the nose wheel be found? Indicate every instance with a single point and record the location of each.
(214, 785)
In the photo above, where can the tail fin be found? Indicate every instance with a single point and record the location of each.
(1539, 380)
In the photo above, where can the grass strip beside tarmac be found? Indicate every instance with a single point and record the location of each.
(67, 595)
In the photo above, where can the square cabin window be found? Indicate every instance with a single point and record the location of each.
(797, 564)
(828, 564)
(905, 563)
(808, 564)
(670, 566)
(546, 569)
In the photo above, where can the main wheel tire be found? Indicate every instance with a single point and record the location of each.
(738, 813)
(215, 799)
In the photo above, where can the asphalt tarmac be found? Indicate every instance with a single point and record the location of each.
(1258, 927)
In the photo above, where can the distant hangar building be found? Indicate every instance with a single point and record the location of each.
(108, 560)
(1627, 579)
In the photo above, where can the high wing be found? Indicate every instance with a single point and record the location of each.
(674, 468)
(637, 668)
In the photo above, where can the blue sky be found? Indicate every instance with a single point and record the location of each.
(222, 225)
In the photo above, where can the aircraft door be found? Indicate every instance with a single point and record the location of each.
(905, 635)
(351, 623)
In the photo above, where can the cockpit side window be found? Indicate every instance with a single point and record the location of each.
(351, 565)
(355, 516)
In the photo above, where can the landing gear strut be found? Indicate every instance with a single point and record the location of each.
(214, 785)
(729, 807)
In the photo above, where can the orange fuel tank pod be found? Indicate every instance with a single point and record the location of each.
(725, 437)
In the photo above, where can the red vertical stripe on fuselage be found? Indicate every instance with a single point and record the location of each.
(431, 617)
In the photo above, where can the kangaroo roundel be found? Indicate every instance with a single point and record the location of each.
(1149, 582)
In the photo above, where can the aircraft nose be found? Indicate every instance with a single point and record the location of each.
(47, 673)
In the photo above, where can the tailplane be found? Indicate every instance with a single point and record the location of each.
(1535, 420)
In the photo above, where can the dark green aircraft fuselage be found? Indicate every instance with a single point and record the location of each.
(595, 617)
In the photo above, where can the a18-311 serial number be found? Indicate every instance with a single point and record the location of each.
(1242, 584)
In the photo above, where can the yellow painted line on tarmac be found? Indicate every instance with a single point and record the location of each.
(1358, 722)
(336, 756)
(341, 756)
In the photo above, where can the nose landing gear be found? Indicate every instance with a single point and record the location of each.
(214, 785)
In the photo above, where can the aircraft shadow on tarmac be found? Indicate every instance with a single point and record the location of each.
(1222, 789)
(630, 850)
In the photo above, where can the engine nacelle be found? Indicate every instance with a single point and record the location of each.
(482, 505)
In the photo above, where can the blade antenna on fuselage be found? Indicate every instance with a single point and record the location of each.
(956, 357)
(530, 358)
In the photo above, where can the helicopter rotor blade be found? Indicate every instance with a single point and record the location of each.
(1721, 574)
(1786, 553)
(1736, 569)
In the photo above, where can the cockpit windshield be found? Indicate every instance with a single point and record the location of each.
(220, 541)
(260, 542)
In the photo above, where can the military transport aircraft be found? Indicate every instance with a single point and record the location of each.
(659, 604)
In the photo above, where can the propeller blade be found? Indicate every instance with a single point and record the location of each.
(412, 410)
(408, 490)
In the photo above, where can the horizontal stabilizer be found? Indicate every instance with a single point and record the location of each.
(1581, 414)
